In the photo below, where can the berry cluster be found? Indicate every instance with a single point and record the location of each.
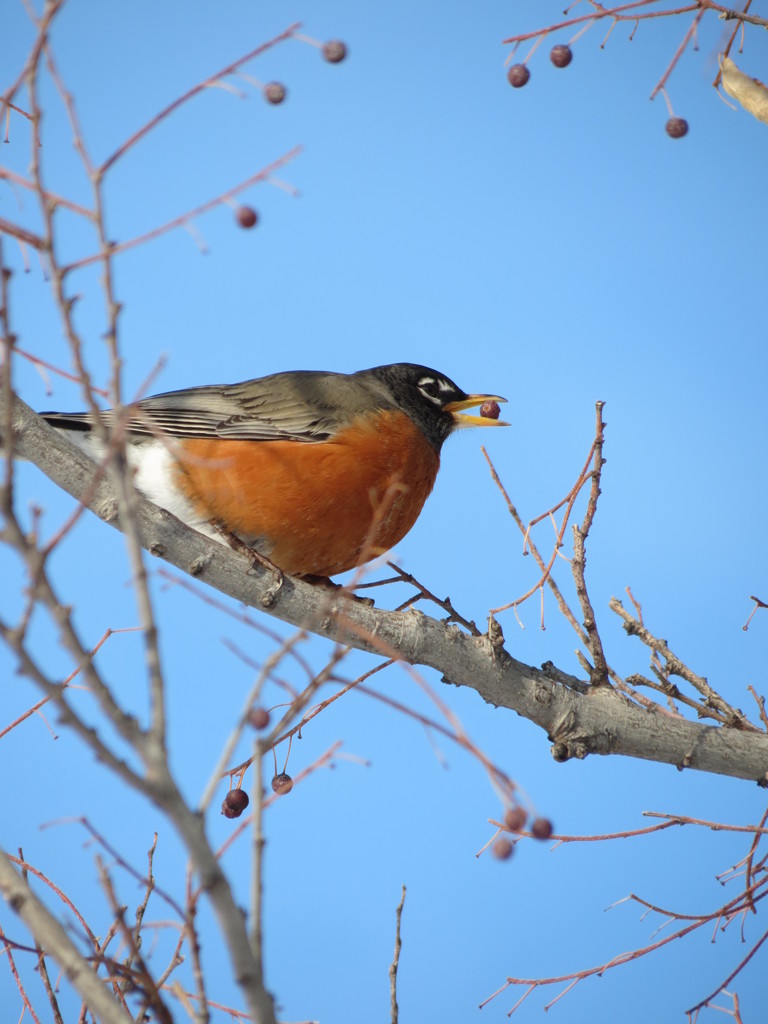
(234, 803)
(236, 800)
(561, 56)
(515, 819)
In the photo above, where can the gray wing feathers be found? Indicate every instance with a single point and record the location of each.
(308, 406)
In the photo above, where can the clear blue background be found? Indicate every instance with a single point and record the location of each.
(549, 243)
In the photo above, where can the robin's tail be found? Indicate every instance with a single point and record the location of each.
(69, 420)
(78, 423)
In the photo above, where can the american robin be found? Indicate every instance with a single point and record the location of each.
(318, 472)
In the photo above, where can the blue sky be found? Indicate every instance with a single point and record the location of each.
(549, 243)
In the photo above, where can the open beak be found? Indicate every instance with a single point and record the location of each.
(474, 421)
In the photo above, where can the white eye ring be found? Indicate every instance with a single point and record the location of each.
(427, 385)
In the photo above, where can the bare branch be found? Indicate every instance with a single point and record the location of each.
(606, 723)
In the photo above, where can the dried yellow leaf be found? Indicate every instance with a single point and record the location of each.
(751, 93)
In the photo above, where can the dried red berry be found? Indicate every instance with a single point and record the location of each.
(515, 819)
(541, 828)
(246, 216)
(677, 127)
(335, 51)
(282, 784)
(258, 718)
(234, 803)
(274, 92)
(490, 410)
(502, 849)
(518, 75)
(561, 55)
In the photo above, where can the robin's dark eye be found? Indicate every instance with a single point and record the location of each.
(430, 388)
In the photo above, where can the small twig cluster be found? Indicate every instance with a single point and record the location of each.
(586, 475)
(123, 954)
(709, 704)
(633, 13)
(752, 869)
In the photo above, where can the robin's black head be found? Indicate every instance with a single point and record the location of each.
(431, 399)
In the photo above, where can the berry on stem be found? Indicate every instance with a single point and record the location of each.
(561, 55)
(258, 718)
(334, 51)
(677, 127)
(502, 849)
(282, 783)
(246, 216)
(274, 92)
(515, 819)
(542, 828)
(518, 75)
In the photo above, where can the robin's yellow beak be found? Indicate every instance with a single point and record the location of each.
(475, 421)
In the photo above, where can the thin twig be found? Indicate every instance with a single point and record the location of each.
(396, 961)
(424, 592)
(760, 701)
(599, 674)
(256, 936)
(678, 53)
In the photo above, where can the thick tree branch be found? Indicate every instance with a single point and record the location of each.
(579, 719)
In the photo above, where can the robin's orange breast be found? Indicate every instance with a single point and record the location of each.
(315, 508)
